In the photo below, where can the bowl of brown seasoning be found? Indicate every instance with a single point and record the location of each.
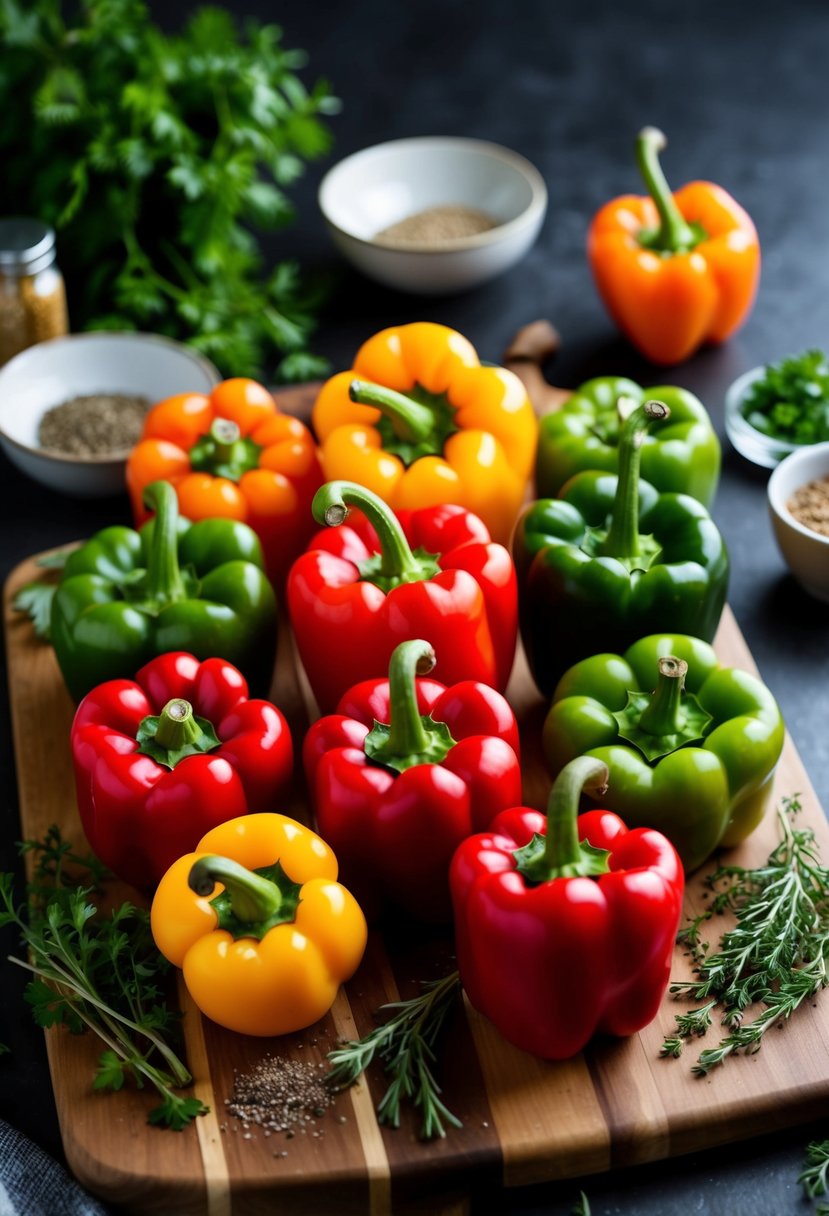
(433, 215)
(798, 493)
(71, 409)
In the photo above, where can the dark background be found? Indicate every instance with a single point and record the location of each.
(743, 94)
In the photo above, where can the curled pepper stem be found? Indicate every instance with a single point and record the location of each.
(407, 735)
(562, 847)
(330, 506)
(409, 419)
(176, 725)
(164, 581)
(622, 539)
(663, 715)
(674, 234)
(253, 899)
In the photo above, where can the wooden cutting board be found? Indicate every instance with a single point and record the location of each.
(525, 1120)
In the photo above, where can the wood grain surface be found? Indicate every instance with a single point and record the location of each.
(525, 1120)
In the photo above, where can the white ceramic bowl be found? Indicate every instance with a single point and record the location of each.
(753, 444)
(382, 185)
(52, 372)
(805, 551)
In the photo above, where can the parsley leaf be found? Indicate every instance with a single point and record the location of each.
(160, 158)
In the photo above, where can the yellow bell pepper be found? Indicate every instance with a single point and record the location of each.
(420, 422)
(259, 925)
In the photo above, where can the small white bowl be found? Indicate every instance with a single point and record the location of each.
(760, 449)
(805, 551)
(49, 373)
(367, 192)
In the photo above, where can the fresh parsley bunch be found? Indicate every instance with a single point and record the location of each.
(158, 158)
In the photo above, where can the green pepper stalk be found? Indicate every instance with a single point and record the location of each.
(223, 452)
(409, 427)
(253, 901)
(623, 539)
(164, 582)
(410, 737)
(674, 234)
(666, 719)
(560, 853)
(396, 563)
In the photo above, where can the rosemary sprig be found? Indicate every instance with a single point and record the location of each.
(774, 956)
(98, 972)
(814, 1177)
(406, 1044)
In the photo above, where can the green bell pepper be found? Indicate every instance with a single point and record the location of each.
(612, 560)
(126, 596)
(695, 762)
(682, 457)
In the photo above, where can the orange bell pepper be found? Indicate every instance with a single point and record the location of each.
(678, 270)
(420, 422)
(267, 953)
(232, 455)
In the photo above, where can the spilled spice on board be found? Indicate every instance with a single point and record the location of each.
(435, 226)
(810, 505)
(94, 425)
(281, 1095)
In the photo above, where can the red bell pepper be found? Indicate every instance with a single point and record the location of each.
(403, 773)
(565, 928)
(162, 759)
(360, 590)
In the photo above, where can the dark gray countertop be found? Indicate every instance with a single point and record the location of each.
(741, 92)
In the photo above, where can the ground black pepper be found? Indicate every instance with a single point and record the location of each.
(94, 425)
(279, 1095)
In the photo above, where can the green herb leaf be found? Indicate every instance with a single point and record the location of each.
(406, 1044)
(160, 157)
(791, 400)
(97, 972)
(35, 599)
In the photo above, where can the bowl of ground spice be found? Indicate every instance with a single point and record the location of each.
(798, 494)
(433, 215)
(71, 409)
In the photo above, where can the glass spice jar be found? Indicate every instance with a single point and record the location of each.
(32, 294)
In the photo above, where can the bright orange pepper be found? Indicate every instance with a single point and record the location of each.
(420, 422)
(678, 270)
(259, 925)
(234, 455)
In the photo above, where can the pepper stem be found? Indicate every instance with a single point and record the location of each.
(622, 539)
(164, 580)
(409, 419)
(407, 736)
(663, 715)
(674, 234)
(253, 899)
(410, 737)
(225, 434)
(176, 725)
(398, 564)
(560, 853)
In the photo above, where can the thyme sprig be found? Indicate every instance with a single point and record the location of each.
(98, 972)
(406, 1044)
(775, 956)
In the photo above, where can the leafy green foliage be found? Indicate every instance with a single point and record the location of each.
(406, 1044)
(791, 400)
(98, 972)
(775, 956)
(35, 599)
(158, 158)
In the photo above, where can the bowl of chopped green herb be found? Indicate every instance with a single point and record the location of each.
(774, 410)
(71, 409)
